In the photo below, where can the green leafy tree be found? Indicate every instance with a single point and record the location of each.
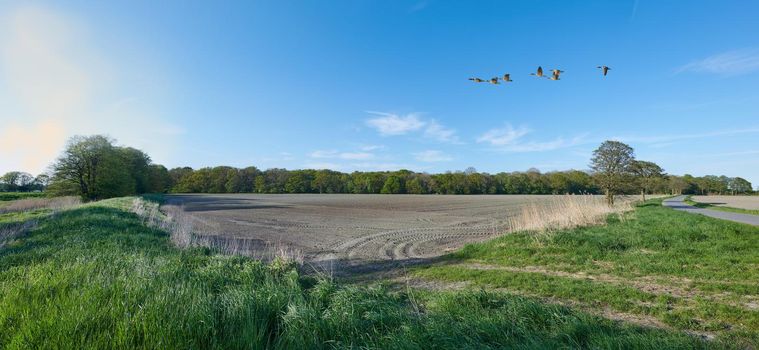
(393, 185)
(82, 164)
(740, 185)
(646, 173)
(159, 180)
(611, 164)
(17, 181)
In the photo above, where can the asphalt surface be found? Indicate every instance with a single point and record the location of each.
(678, 203)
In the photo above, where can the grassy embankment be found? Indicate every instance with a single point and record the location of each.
(690, 201)
(660, 266)
(96, 277)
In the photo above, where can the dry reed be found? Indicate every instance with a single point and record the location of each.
(569, 211)
(55, 203)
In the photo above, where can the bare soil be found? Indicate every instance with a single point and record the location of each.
(743, 202)
(355, 228)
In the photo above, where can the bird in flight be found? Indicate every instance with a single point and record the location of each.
(604, 69)
(539, 72)
(494, 80)
(477, 80)
(556, 73)
(507, 78)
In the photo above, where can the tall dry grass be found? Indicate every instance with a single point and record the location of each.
(568, 211)
(55, 203)
(185, 233)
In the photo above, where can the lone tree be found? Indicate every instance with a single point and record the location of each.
(612, 166)
(647, 174)
(94, 168)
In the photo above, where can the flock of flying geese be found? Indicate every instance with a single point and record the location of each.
(539, 73)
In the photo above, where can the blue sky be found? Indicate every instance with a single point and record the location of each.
(380, 85)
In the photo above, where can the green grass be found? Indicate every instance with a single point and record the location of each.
(10, 196)
(688, 271)
(690, 201)
(94, 277)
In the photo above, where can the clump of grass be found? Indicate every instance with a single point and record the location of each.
(27, 204)
(95, 277)
(565, 212)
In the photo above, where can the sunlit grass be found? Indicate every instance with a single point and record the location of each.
(688, 271)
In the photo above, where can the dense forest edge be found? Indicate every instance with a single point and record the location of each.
(94, 167)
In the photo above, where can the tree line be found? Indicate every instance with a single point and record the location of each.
(93, 167)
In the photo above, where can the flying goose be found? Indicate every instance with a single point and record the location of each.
(507, 78)
(605, 69)
(477, 80)
(494, 80)
(539, 72)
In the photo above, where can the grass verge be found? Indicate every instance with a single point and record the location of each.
(95, 277)
(689, 272)
(690, 201)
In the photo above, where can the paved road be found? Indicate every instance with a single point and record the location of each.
(678, 204)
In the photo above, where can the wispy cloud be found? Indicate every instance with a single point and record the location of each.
(342, 155)
(441, 133)
(323, 165)
(421, 5)
(369, 148)
(509, 139)
(729, 63)
(503, 136)
(432, 156)
(634, 11)
(389, 124)
(665, 140)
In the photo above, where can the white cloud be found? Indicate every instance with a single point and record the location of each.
(375, 166)
(368, 148)
(323, 165)
(342, 155)
(533, 146)
(323, 154)
(431, 156)
(503, 136)
(729, 63)
(508, 139)
(356, 155)
(441, 133)
(388, 124)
